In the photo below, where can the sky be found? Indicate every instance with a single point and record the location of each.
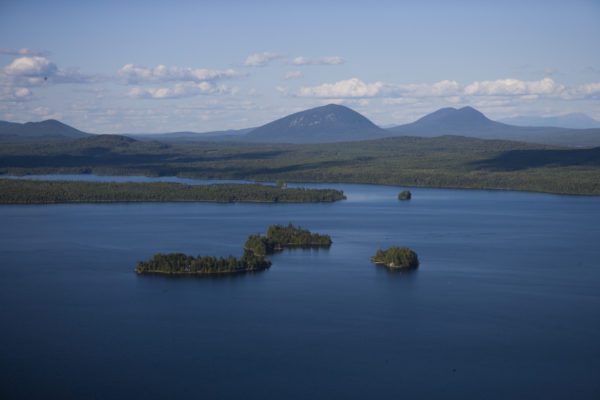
(146, 66)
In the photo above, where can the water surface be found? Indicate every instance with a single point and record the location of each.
(506, 303)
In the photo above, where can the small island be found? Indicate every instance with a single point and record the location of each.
(256, 248)
(405, 195)
(182, 264)
(279, 237)
(396, 258)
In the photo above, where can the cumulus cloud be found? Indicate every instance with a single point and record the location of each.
(331, 60)
(179, 90)
(30, 71)
(589, 90)
(22, 93)
(514, 87)
(137, 74)
(36, 70)
(31, 67)
(293, 75)
(260, 59)
(15, 94)
(353, 87)
(452, 90)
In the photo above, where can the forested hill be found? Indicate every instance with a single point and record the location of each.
(330, 123)
(468, 121)
(448, 161)
(50, 129)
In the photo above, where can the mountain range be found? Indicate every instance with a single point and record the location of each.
(337, 123)
(470, 122)
(572, 120)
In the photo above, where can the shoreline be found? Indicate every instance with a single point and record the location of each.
(258, 181)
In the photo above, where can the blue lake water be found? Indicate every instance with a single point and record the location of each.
(505, 304)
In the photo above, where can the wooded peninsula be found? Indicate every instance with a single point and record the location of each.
(21, 191)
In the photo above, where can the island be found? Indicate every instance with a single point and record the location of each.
(182, 264)
(23, 191)
(279, 237)
(256, 248)
(405, 195)
(396, 258)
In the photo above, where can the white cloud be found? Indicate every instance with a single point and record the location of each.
(513, 87)
(452, 90)
(590, 90)
(31, 67)
(353, 87)
(332, 60)
(186, 89)
(22, 92)
(36, 70)
(136, 74)
(293, 75)
(46, 113)
(357, 88)
(260, 59)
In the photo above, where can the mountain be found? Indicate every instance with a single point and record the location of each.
(572, 120)
(326, 124)
(468, 121)
(465, 121)
(49, 129)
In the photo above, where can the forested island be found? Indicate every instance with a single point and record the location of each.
(182, 264)
(279, 237)
(396, 258)
(20, 191)
(256, 248)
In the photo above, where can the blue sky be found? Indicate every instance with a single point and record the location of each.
(145, 66)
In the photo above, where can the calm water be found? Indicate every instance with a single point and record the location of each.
(506, 303)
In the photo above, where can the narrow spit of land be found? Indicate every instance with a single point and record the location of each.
(20, 191)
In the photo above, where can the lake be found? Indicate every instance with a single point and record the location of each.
(505, 304)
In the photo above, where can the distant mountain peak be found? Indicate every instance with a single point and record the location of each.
(570, 120)
(328, 123)
(47, 129)
(449, 114)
